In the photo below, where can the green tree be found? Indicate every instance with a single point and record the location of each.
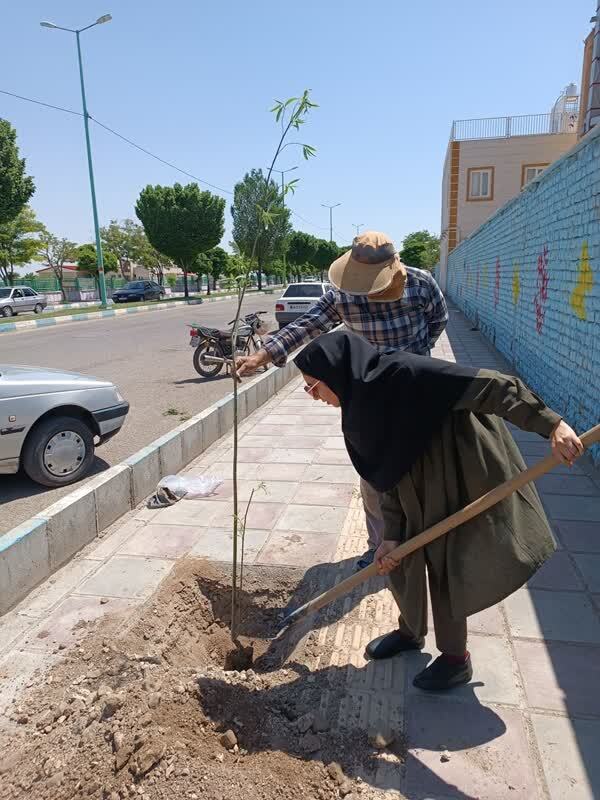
(181, 221)
(16, 188)
(302, 248)
(251, 233)
(126, 240)
(18, 242)
(87, 261)
(172, 280)
(420, 249)
(325, 254)
(154, 261)
(54, 252)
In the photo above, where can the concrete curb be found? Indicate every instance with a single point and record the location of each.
(31, 552)
(45, 322)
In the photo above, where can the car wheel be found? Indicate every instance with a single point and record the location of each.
(39, 308)
(58, 451)
(7, 311)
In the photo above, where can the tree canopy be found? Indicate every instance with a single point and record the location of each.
(325, 253)
(254, 229)
(181, 221)
(16, 188)
(18, 242)
(54, 252)
(420, 249)
(302, 248)
(87, 260)
(126, 240)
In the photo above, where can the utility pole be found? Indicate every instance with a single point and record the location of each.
(86, 124)
(330, 207)
(358, 227)
(282, 173)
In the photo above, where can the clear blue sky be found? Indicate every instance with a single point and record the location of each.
(193, 81)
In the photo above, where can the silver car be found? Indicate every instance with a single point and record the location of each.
(19, 300)
(51, 421)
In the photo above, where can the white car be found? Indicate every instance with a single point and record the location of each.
(20, 300)
(298, 298)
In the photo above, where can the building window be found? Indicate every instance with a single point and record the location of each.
(480, 183)
(531, 171)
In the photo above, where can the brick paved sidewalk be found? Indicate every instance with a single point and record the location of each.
(527, 727)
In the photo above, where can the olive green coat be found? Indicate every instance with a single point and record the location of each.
(484, 560)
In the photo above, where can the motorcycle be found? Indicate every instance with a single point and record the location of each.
(212, 347)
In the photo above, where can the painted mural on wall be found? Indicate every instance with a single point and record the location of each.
(535, 291)
(584, 285)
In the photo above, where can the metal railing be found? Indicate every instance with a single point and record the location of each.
(505, 127)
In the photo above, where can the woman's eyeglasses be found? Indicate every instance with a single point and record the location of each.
(310, 389)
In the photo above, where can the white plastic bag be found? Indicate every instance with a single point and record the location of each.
(190, 486)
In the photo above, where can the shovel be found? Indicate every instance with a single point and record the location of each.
(439, 529)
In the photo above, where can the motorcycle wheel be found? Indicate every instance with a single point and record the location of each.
(206, 370)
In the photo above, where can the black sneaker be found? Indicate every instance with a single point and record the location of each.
(365, 560)
(391, 644)
(441, 675)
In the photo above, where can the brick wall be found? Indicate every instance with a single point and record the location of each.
(530, 279)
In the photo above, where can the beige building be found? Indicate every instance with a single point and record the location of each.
(489, 161)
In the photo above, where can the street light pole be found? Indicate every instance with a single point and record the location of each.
(282, 172)
(330, 207)
(358, 227)
(86, 124)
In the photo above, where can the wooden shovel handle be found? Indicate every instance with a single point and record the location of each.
(444, 526)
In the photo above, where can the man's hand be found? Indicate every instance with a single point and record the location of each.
(566, 445)
(384, 563)
(247, 365)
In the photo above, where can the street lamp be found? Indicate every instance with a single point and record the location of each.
(100, 260)
(325, 205)
(358, 227)
(282, 172)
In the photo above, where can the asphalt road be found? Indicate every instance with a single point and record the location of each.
(147, 356)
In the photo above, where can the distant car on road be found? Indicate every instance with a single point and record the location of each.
(298, 298)
(51, 421)
(138, 290)
(19, 300)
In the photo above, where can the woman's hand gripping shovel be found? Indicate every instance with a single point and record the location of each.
(439, 529)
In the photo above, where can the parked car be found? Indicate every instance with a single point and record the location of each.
(51, 421)
(19, 299)
(298, 298)
(138, 290)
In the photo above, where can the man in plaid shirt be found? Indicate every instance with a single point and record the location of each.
(376, 296)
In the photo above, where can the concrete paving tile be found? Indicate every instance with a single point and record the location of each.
(495, 677)
(18, 669)
(216, 544)
(127, 577)
(566, 484)
(557, 573)
(569, 754)
(334, 494)
(57, 586)
(110, 543)
(539, 448)
(298, 549)
(573, 507)
(319, 519)
(579, 536)
(268, 429)
(288, 456)
(12, 627)
(560, 677)
(334, 443)
(263, 472)
(332, 457)
(325, 473)
(272, 492)
(558, 469)
(489, 753)
(559, 616)
(294, 442)
(489, 621)
(589, 564)
(260, 515)
(67, 623)
(161, 541)
(191, 512)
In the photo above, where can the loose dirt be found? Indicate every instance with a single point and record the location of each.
(159, 704)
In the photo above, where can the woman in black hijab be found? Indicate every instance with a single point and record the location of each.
(428, 436)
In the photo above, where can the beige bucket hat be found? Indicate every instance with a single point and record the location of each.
(369, 267)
